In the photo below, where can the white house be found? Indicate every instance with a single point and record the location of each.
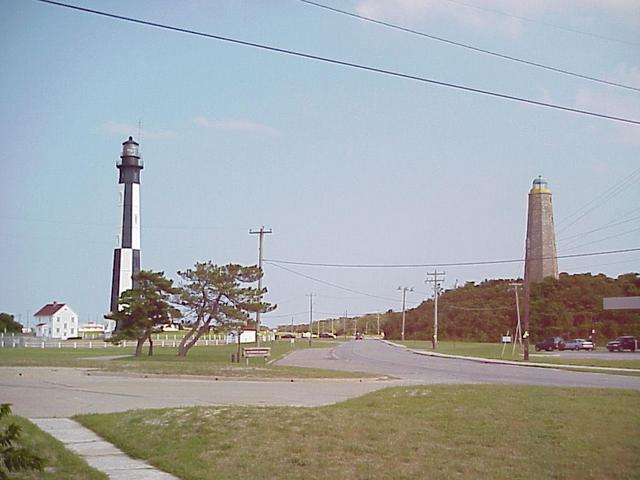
(246, 336)
(56, 320)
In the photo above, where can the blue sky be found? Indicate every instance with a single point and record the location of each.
(345, 166)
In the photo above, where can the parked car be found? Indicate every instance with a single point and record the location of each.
(626, 342)
(549, 344)
(577, 344)
(286, 335)
(359, 336)
(327, 335)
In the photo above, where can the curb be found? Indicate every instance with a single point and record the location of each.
(509, 362)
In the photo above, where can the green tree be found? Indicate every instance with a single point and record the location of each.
(570, 306)
(144, 309)
(8, 324)
(214, 295)
(13, 457)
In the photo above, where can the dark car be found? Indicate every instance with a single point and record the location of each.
(327, 335)
(550, 343)
(286, 335)
(626, 342)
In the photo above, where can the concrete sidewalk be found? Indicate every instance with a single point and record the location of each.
(99, 453)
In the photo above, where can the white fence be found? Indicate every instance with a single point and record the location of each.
(34, 342)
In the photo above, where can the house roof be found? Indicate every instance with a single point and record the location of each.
(49, 309)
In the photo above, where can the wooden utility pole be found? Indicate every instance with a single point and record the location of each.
(518, 335)
(404, 297)
(344, 325)
(527, 297)
(260, 232)
(435, 278)
(310, 295)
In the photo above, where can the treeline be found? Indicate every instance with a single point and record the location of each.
(570, 307)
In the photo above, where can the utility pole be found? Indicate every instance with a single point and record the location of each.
(260, 232)
(518, 334)
(344, 324)
(310, 295)
(404, 296)
(378, 324)
(527, 294)
(436, 278)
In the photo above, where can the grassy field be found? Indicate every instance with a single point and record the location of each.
(209, 361)
(494, 350)
(60, 463)
(434, 432)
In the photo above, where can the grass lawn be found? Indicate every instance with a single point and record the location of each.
(430, 432)
(494, 350)
(60, 463)
(210, 361)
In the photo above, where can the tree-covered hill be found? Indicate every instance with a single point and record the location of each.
(570, 306)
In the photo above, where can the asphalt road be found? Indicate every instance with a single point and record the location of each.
(63, 392)
(374, 356)
(40, 392)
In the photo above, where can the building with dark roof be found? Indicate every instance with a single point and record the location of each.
(56, 320)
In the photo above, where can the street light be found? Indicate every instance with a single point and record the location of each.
(404, 296)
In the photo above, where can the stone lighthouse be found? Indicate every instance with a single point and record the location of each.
(540, 257)
(126, 257)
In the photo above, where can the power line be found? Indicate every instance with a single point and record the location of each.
(600, 200)
(611, 224)
(603, 239)
(469, 47)
(269, 317)
(470, 309)
(277, 263)
(358, 66)
(546, 24)
(334, 285)
(592, 265)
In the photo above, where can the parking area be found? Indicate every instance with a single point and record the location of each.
(602, 354)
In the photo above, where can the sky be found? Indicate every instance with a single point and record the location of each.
(345, 166)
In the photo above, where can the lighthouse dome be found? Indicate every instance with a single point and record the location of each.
(540, 186)
(130, 148)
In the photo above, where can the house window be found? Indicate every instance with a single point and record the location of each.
(71, 330)
(58, 330)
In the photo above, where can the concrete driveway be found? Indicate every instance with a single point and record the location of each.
(63, 392)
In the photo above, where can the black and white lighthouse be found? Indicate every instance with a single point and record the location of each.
(126, 257)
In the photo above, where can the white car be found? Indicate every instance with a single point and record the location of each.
(577, 344)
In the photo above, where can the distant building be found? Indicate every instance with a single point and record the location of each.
(91, 330)
(246, 336)
(540, 254)
(56, 320)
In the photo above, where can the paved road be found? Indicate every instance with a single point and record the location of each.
(63, 392)
(374, 356)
